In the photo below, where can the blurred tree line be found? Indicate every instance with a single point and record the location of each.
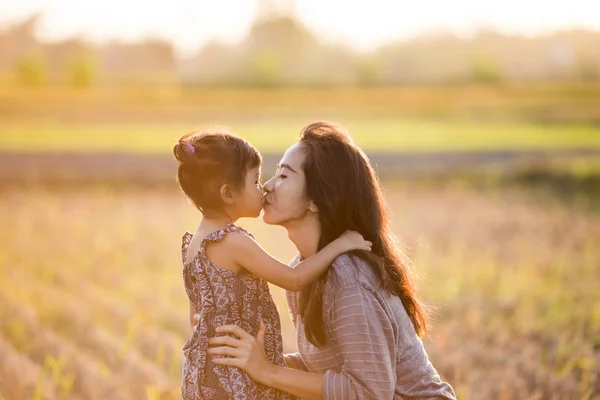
(279, 51)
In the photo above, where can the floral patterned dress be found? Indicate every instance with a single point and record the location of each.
(224, 297)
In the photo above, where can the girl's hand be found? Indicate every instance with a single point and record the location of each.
(352, 240)
(243, 351)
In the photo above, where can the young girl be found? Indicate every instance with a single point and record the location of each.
(225, 270)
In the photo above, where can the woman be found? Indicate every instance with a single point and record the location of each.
(359, 326)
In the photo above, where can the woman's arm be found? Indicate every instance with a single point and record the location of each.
(303, 384)
(293, 360)
(365, 340)
(248, 254)
(247, 352)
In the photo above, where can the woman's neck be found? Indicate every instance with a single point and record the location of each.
(305, 234)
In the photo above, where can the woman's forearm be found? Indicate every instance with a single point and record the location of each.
(307, 385)
(293, 360)
(247, 352)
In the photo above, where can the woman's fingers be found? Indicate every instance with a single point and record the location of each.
(223, 351)
(260, 336)
(229, 362)
(236, 330)
(262, 328)
(246, 352)
(224, 340)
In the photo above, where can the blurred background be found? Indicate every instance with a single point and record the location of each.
(482, 120)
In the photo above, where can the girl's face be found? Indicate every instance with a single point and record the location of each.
(249, 201)
(285, 193)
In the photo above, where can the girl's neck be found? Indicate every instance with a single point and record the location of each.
(218, 218)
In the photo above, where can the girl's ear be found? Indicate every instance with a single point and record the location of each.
(227, 194)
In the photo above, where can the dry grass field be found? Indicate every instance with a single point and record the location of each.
(92, 304)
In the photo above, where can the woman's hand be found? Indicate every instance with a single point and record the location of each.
(248, 353)
(243, 351)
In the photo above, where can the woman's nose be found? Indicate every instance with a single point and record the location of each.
(268, 186)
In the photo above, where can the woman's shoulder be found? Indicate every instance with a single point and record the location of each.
(353, 276)
(347, 270)
(351, 270)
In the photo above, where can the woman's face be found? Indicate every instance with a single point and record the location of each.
(285, 193)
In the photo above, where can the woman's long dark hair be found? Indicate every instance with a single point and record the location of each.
(343, 185)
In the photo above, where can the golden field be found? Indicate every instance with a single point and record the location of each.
(92, 302)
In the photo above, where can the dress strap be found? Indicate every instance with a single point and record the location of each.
(211, 237)
(221, 233)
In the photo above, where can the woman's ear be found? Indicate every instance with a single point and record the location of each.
(312, 206)
(227, 194)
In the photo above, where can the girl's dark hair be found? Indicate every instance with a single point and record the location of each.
(343, 185)
(210, 159)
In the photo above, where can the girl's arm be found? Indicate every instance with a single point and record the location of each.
(248, 254)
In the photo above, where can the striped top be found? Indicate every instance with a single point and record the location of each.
(372, 350)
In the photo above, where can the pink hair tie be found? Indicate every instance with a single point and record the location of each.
(189, 147)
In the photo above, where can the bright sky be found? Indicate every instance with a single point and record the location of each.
(363, 24)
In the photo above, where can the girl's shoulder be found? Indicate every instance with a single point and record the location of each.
(216, 235)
